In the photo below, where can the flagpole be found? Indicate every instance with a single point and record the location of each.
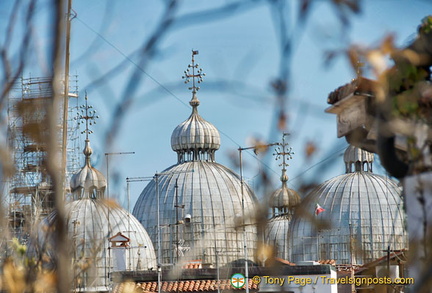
(319, 209)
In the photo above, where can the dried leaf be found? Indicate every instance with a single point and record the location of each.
(260, 146)
(13, 277)
(265, 253)
(354, 58)
(310, 149)
(378, 61)
(128, 287)
(46, 282)
(111, 203)
(387, 45)
(282, 121)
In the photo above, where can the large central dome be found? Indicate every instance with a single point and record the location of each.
(199, 201)
(200, 215)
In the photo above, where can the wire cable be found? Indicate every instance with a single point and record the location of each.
(181, 101)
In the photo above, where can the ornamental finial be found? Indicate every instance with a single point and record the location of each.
(87, 114)
(197, 77)
(282, 151)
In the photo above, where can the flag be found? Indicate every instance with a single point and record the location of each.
(318, 209)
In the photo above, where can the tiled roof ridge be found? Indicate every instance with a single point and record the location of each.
(183, 286)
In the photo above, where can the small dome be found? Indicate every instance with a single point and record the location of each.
(284, 197)
(88, 182)
(195, 138)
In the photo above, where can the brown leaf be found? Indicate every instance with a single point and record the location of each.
(13, 277)
(111, 203)
(282, 121)
(387, 45)
(354, 58)
(46, 282)
(310, 149)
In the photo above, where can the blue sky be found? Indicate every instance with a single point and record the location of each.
(240, 55)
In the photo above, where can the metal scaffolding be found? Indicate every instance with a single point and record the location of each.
(30, 189)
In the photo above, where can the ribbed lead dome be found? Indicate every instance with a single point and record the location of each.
(195, 138)
(363, 212)
(199, 201)
(207, 204)
(91, 221)
(90, 224)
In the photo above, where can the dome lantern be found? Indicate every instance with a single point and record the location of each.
(195, 139)
(357, 160)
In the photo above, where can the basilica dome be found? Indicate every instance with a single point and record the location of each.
(93, 223)
(197, 203)
(90, 225)
(363, 216)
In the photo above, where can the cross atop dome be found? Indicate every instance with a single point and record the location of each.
(87, 182)
(197, 77)
(195, 139)
(284, 200)
(282, 151)
(87, 114)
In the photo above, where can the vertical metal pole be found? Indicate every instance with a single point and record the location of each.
(107, 166)
(388, 267)
(128, 197)
(217, 268)
(129, 228)
(177, 220)
(352, 251)
(159, 266)
(244, 224)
